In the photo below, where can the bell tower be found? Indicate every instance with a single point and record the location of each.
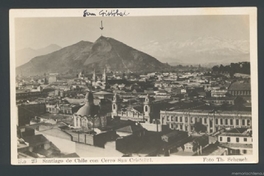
(147, 108)
(94, 78)
(115, 104)
(104, 77)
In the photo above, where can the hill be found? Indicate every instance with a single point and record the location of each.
(103, 53)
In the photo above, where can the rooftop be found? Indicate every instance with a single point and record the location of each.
(232, 145)
(239, 86)
(36, 140)
(200, 106)
(130, 128)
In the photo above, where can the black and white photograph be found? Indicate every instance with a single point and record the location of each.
(133, 86)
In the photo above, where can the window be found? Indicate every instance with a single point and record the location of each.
(146, 108)
(228, 139)
(243, 122)
(205, 120)
(237, 122)
(237, 139)
(226, 121)
(180, 119)
(244, 151)
(176, 119)
(248, 122)
(231, 121)
(220, 139)
(216, 121)
(245, 139)
(221, 121)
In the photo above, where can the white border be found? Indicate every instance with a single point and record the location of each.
(251, 11)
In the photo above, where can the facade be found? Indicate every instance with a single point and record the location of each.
(53, 109)
(130, 114)
(221, 100)
(218, 93)
(61, 108)
(53, 77)
(197, 145)
(213, 121)
(97, 82)
(25, 94)
(238, 141)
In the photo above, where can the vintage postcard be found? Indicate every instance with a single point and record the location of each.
(134, 86)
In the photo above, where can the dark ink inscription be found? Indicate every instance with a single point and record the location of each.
(107, 13)
(113, 13)
(85, 13)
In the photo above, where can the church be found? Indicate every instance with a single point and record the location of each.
(99, 82)
(88, 116)
(139, 114)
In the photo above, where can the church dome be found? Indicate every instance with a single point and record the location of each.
(89, 109)
(86, 110)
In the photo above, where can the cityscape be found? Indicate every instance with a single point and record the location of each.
(108, 99)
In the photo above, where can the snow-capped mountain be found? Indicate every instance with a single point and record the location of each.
(202, 50)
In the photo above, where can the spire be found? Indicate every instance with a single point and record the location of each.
(104, 78)
(89, 98)
(115, 98)
(147, 100)
(94, 76)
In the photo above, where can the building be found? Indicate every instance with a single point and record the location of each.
(99, 83)
(27, 94)
(88, 116)
(212, 120)
(197, 145)
(221, 100)
(140, 115)
(53, 77)
(61, 108)
(103, 95)
(131, 129)
(237, 140)
(239, 89)
(218, 93)
(28, 111)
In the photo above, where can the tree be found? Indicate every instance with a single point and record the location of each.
(215, 69)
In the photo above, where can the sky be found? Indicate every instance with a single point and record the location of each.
(134, 31)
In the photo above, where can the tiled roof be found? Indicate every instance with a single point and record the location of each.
(131, 128)
(239, 86)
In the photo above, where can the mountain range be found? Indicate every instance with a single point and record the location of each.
(113, 55)
(201, 50)
(26, 54)
(104, 53)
